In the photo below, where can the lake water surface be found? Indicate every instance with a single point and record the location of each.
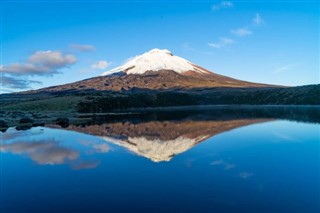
(191, 161)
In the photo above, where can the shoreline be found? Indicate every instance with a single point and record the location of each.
(15, 118)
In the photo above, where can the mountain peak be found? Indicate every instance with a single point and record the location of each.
(159, 51)
(156, 60)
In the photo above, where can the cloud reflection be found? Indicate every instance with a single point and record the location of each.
(42, 151)
(44, 148)
(245, 175)
(85, 165)
(226, 165)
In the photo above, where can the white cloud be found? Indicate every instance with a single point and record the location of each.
(24, 69)
(222, 5)
(221, 43)
(100, 65)
(257, 20)
(41, 63)
(51, 59)
(83, 47)
(241, 31)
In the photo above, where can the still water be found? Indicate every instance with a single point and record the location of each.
(203, 161)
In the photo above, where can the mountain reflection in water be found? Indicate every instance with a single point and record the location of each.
(158, 136)
(161, 140)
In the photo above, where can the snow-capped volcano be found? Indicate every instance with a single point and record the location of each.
(156, 70)
(156, 60)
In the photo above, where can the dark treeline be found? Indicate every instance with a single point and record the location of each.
(111, 102)
(105, 102)
(211, 113)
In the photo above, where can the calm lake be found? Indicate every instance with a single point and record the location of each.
(200, 160)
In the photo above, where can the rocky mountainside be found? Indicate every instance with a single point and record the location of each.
(155, 70)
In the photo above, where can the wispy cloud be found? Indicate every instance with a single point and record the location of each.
(284, 68)
(241, 31)
(186, 46)
(14, 83)
(222, 5)
(41, 63)
(100, 65)
(3, 91)
(83, 47)
(221, 43)
(257, 20)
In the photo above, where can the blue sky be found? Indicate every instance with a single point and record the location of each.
(46, 43)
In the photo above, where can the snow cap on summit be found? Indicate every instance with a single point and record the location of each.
(156, 60)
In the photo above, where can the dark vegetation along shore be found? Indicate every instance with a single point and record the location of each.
(307, 95)
(105, 101)
(26, 120)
